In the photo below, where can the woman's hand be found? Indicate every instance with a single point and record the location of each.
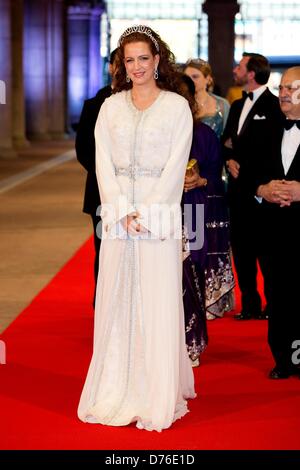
(132, 225)
(194, 181)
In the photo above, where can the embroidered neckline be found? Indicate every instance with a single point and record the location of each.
(132, 105)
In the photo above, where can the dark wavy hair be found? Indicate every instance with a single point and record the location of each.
(166, 67)
(186, 88)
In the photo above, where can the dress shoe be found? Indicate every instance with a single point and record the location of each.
(277, 373)
(195, 362)
(242, 316)
(210, 316)
(261, 316)
(265, 313)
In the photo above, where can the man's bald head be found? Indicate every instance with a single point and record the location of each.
(293, 71)
(289, 93)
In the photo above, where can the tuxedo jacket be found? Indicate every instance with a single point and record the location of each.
(278, 224)
(86, 149)
(248, 145)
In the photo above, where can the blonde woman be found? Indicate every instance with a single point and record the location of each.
(212, 109)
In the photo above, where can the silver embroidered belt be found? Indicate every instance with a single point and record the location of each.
(134, 171)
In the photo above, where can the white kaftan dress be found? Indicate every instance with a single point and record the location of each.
(140, 370)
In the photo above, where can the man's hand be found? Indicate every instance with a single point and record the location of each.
(233, 167)
(293, 188)
(228, 143)
(276, 192)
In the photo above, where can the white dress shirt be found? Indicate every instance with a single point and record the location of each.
(289, 145)
(248, 105)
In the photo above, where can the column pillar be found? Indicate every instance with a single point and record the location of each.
(36, 71)
(95, 75)
(221, 36)
(56, 70)
(18, 100)
(6, 132)
(84, 66)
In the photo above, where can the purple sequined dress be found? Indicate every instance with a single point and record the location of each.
(207, 273)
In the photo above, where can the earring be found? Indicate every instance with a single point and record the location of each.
(155, 74)
(127, 79)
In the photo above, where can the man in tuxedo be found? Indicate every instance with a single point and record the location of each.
(249, 122)
(278, 188)
(86, 154)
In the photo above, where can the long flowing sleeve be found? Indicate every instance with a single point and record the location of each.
(206, 149)
(114, 204)
(161, 209)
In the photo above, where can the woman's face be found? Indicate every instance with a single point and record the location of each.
(201, 82)
(139, 62)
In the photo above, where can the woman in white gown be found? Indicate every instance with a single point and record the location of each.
(140, 371)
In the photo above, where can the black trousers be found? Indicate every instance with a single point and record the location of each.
(281, 259)
(244, 238)
(284, 306)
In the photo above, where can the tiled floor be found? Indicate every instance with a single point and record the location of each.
(41, 223)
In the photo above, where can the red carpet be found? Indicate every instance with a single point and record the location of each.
(48, 352)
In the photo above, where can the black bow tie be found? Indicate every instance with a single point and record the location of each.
(248, 95)
(289, 123)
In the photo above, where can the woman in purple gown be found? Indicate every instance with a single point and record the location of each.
(207, 260)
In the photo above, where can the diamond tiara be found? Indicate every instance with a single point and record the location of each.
(139, 29)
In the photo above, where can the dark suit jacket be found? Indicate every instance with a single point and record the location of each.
(85, 147)
(278, 224)
(248, 144)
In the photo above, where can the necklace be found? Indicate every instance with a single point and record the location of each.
(203, 103)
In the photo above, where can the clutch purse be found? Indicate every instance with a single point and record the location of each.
(192, 167)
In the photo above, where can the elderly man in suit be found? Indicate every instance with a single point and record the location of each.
(85, 151)
(278, 189)
(250, 119)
